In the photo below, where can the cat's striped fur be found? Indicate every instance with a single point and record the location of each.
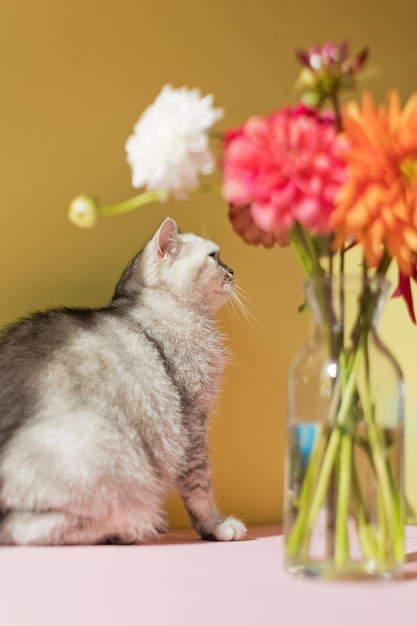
(102, 411)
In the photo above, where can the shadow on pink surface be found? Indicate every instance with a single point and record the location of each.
(188, 535)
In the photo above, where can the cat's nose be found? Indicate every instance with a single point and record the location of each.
(226, 268)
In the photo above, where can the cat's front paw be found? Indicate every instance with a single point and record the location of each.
(230, 529)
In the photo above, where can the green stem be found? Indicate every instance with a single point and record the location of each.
(306, 250)
(309, 483)
(398, 515)
(133, 203)
(366, 532)
(301, 254)
(342, 292)
(147, 197)
(343, 497)
(384, 264)
(334, 99)
(349, 390)
(382, 477)
(382, 528)
(323, 481)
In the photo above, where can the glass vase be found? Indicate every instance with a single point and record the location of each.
(344, 509)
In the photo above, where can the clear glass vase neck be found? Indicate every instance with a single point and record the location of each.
(346, 303)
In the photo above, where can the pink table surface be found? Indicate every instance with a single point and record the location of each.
(182, 580)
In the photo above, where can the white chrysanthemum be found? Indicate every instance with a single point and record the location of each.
(169, 148)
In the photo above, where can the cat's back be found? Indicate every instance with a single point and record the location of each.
(28, 347)
(63, 361)
(87, 384)
(51, 336)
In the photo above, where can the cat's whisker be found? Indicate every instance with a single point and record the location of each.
(243, 294)
(238, 306)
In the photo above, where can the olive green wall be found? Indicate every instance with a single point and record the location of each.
(75, 75)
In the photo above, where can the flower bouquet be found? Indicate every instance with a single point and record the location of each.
(328, 177)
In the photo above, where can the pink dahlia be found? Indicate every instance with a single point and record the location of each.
(285, 167)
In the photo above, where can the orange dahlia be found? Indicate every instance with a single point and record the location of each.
(377, 205)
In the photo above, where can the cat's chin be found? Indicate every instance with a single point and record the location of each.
(222, 296)
(226, 291)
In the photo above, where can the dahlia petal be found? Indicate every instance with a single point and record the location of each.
(284, 196)
(409, 113)
(403, 259)
(244, 226)
(394, 107)
(356, 219)
(269, 219)
(235, 192)
(280, 161)
(410, 237)
(308, 212)
(377, 203)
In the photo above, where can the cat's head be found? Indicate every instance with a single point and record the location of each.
(187, 266)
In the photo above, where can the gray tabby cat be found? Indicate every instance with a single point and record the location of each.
(101, 411)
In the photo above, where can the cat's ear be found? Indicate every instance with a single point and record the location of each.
(167, 238)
